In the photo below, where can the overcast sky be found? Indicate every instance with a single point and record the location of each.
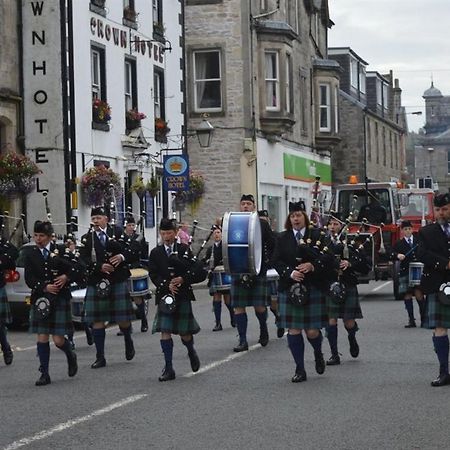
(410, 37)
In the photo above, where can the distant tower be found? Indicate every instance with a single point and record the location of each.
(433, 104)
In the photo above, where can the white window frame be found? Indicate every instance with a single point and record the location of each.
(128, 85)
(157, 93)
(379, 90)
(385, 96)
(271, 81)
(354, 73)
(292, 14)
(197, 108)
(336, 109)
(96, 74)
(362, 79)
(288, 82)
(324, 106)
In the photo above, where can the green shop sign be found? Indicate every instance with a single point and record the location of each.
(303, 169)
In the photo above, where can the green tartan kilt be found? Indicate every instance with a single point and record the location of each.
(404, 287)
(181, 321)
(115, 308)
(438, 314)
(351, 309)
(5, 310)
(257, 295)
(58, 323)
(307, 317)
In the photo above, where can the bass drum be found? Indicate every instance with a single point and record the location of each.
(396, 280)
(242, 245)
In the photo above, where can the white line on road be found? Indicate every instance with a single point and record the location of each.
(382, 286)
(71, 423)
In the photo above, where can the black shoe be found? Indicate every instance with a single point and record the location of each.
(354, 347)
(195, 362)
(144, 326)
(89, 338)
(72, 364)
(335, 360)
(167, 375)
(320, 362)
(280, 332)
(441, 380)
(129, 350)
(99, 362)
(299, 376)
(263, 338)
(411, 324)
(242, 347)
(218, 327)
(8, 356)
(43, 380)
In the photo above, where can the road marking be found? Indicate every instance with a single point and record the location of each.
(215, 364)
(382, 286)
(71, 423)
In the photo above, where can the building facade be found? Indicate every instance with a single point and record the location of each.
(102, 87)
(373, 124)
(259, 70)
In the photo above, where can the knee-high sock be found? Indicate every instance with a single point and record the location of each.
(43, 349)
(441, 346)
(189, 345)
(230, 310)
(297, 348)
(141, 309)
(262, 319)
(423, 310)
(99, 340)
(352, 331)
(274, 312)
(316, 343)
(217, 306)
(66, 347)
(126, 333)
(332, 335)
(3, 338)
(167, 348)
(241, 324)
(410, 309)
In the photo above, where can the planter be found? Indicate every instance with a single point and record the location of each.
(98, 118)
(99, 3)
(132, 124)
(129, 14)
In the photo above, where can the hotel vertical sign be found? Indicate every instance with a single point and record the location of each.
(43, 106)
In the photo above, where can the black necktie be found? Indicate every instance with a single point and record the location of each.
(298, 236)
(102, 238)
(45, 253)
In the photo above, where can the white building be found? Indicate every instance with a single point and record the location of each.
(126, 53)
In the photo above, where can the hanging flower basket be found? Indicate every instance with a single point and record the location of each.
(195, 193)
(100, 186)
(129, 14)
(101, 111)
(17, 174)
(133, 119)
(153, 185)
(138, 187)
(161, 130)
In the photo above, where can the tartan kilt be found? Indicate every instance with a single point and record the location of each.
(5, 311)
(273, 288)
(404, 287)
(213, 289)
(181, 321)
(351, 309)
(310, 316)
(438, 314)
(58, 323)
(115, 308)
(257, 295)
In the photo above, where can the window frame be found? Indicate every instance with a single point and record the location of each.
(159, 92)
(130, 92)
(354, 73)
(336, 109)
(98, 90)
(288, 86)
(326, 107)
(275, 80)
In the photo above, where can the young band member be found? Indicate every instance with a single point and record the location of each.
(434, 252)
(130, 232)
(214, 256)
(49, 275)
(350, 259)
(107, 255)
(172, 271)
(405, 251)
(303, 267)
(255, 295)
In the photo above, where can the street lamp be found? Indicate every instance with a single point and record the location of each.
(204, 133)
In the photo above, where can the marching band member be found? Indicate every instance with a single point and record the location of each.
(130, 232)
(404, 250)
(304, 268)
(434, 252)
(214, 256)
(48, 276)
(348, 309)
(172, 272)
(107, 256)
(255, 295)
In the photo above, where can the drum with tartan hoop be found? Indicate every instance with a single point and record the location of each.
(415, 273)
(221, 279)
(138, 282)
(242, 247)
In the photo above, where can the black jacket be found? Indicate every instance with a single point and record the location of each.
(268, 246)
(215, 251)
(401, 246)
(434, 252)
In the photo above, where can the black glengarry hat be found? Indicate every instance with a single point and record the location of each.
(248, 198)
(299, 206)
(168, 224)
(406, 224)
(43, 227)
(129, 218)
(263, 213)
(99, 211)
(441, 200)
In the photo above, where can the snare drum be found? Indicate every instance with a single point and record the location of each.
(415, 273)
(77, 304)
(242, 246)
(138, 282)
(221, 279)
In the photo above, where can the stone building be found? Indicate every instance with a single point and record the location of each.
(259, 70)
(373, 123)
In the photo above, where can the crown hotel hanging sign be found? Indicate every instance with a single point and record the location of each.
(176, 173)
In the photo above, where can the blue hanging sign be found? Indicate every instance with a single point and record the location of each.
(176, 173)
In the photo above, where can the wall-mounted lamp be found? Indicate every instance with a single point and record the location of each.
(204, 133)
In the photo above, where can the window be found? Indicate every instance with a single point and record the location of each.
(303, 99)
(336, 110)
(379, 93)
(207, 81)
(128, 4)
(448, 161)
(368, 139)
(263, 5)
(354, 73)
(272, 81)
(315, 26)
(288, 86)
(292, 13)
(362, 79)
(98, 73)
(324, 107)
(377, 143)
(130, 85)
(157, 12)
(385, 96)
(158, 93)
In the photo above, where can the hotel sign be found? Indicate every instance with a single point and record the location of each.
(176, 173)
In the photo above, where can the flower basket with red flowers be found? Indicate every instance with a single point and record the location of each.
(129, 14)
(17, 174)
(96, 186)
(161, 130)
(133, 118)
(101, 111)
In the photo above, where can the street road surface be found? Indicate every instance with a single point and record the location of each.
(382, 400)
